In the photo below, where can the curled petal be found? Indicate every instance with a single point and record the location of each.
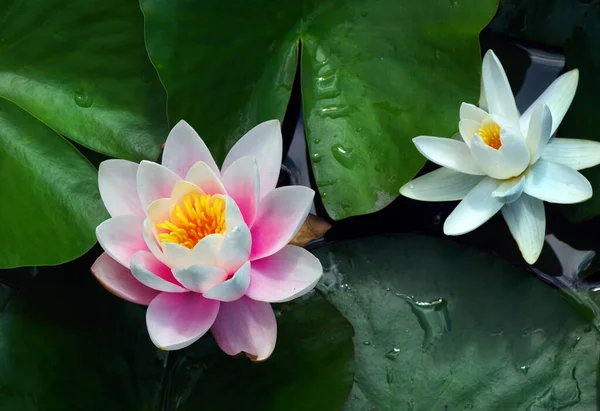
(176, 321)
(288, 274)
(509, 190)
(265, 143)
(235, 249)
(246, 326)
(509, 161)
(154, 274)
(119, 281)
(472, 112)
(199, 278)
(184, 148)
(117, 184)
(203, 176)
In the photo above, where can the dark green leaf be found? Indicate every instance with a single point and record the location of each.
(50, 204)
(437, 324)
(81, 68)
(370, 74)
(311, 368)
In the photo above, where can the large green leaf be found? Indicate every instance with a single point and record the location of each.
(573, 26)
(374, 75)
(440, 325)
(81, 68)
(50, 204)
(67, 344)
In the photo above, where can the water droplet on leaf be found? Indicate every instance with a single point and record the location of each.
(83, 99)
(433, 317)
(343, 156)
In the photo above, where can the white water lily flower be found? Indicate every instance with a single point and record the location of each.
(507, 161)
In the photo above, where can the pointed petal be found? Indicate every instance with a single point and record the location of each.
(149, 234)
(233, 215)
(154, 274)
(442, 184)
(467, 129)
(577, 154)
(558, 97)
(280, 216)
(265, 143)
(203, 176)
(288, 274)
(509, 161)
(557, 183)
(205, 252)
(242, 181)
(472, 112)
(474, 210)
(540, 131)
(153, 182)
(176, 321)
(119, 281)
(246, 326)
(159, 210)
(184, 148)
(448, 153)
(116, 181)
(121, 237)
(527, 223)
(235, 249)
(232, 289)
(500, 99)
(482, 103)
(199, 278)
(509, 190)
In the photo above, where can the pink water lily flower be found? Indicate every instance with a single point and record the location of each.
(206, 248)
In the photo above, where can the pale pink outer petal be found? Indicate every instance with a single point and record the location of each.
(119, 281)
(202, 175)
(184, 148)
(232, 289)
(199, 278)
(235, 249)
(285, 275)
(153, 182)
(121, 237)
(242, 182)
(151, 272)
(246, 326)
(117, 184)
(280, 216)
(266, 144)
(176, 321)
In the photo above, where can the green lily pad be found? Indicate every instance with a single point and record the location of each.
(50, 201)
(374, 75)
(68, 344)
(81, 68)
(440, 325)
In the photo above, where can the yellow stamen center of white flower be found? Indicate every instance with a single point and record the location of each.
(193, 219)
(490, 134)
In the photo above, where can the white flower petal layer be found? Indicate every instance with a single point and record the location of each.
(540, 131)
(527, 223)
(557, 183)
(558, 97)
(442, 184)
(500, 99)
(509, 190)
(577, 154)
(448, 153)
(509, 161)
(474, 210)
(116, 181)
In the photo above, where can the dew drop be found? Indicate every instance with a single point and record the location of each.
(524, 369)
(316, 158)
(433, 317)
(453, 3)
(437, 54)
(392, 354)
(366, 342)
(411, 186)
(410, 404)
(343, 155)
(335, 111)
(83, 99)
(316, 141)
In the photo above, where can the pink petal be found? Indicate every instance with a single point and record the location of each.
(265, 143)
(121, 237)
(184, 148)
(152, 243)
(151, 272)
(232, 289)
(204, 177)
(116, 180)
(199, 278)
(285, 275)
(154, 182)
(246, 326)
(242, 181)
(176, 321)
(119, 281)
(235, 248)
(280, 216)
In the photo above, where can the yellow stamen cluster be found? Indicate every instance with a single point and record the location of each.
(490, 134)
(193, 219)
